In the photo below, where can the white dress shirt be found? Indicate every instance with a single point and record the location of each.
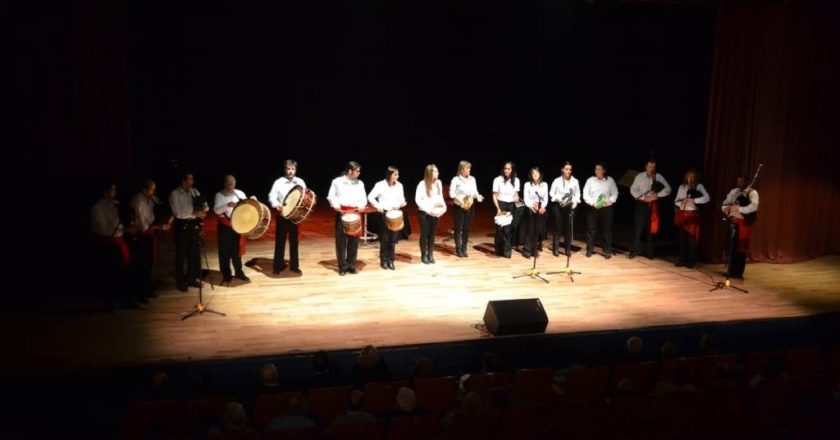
(280, 189)
(642, 184)
(594, 187)
(731, 199)
(560, 187)
(387, 197)
(346, 192)
(181, 203)
(105, 219)
(505, 190)
(532, 194)
(427, 203)
(144, 212)
(461, 187)
(222, 198)
(682, 194)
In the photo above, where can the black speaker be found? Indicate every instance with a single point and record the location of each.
(515, 317)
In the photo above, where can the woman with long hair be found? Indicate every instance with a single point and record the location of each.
(505, 196)
(464, 192)
(691, 195)
(387, 195)
(431, 206)
(535, 195)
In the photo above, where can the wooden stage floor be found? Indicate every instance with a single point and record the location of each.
(416, 304)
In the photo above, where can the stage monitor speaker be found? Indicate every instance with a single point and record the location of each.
(515, 317)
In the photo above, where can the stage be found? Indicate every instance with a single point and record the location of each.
(416, 304)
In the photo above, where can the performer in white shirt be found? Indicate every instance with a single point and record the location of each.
(189, 208)
(277, 197)
(505, 196)
(110, 251)
(600, 193)
(230, 243)
(388, 195)
(691, 195)
(431, 206)
(741, 206)
(535, 197)
(565, 197)
(347, 194)
(647, 189)
(142, 240)
(463, 191)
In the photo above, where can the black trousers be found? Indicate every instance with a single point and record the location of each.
(561, 223)
(462, 218)
(599, 220)
(688, 247)
(387, 241)
(142, 261)
(504, 234)
(533, 226)
(229, 251)
(428, 226)
(737, 259)
(346, 247)
(284, 228)
(641, 226)
(187, 251)
(113, 282)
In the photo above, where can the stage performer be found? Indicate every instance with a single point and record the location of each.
(388, 195)
(600, 193)
(505, 195)
(647, 189)
(691, 196)
(277, 199)
(347, 194)
(565, 197)
(231, 244)
(464, 192)
(189, 208)
(741, 207)
(431, 206)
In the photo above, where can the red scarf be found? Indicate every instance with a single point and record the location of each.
(689, 221)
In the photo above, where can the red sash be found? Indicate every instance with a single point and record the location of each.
(223, 220)
(688, 221)
(654, 216)
(745, 230)
(120, 243)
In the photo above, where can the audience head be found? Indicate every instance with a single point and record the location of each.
(634, 345)
(234, 418)
(321, 362)
(296, 405)
(369, 357)
(669, 350)
(269, 375)
(406, 400)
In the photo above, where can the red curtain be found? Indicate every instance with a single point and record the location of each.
(775, 99)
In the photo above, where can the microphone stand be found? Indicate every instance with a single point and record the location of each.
(200, 308)
(534, 273)
(568, 270)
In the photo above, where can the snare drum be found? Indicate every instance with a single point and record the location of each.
(250, 218)
(352, 224)
(298, 204)
(394, 220)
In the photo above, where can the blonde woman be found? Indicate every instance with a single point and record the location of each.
(429, 199)
(463, 191)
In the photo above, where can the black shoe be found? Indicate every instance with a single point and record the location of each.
(464, 252)
(342, 272)
(227, 279)
(391, 265)
(526, 254)
(279, 269)
(607, 256)
(353, 270)
(383, 265)
(243, 277)
(555, 252)
(182, 287)
(431, 259)
(588, 254)
(679, 264)
(506, 255)
(297, 271)
(631, 255)
(194, 283)
(649, 257)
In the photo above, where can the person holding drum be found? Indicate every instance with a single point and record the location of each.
(505, 196)
(388, 197)
(429, 199)
(230, 242)
(464, 192)
(600, 193)
(347, 196)
(535, 196)
(565, 197)
(189, 210)
(277, 198)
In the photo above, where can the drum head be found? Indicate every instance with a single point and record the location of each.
(394, 214)
(245, 217)
(350, 217)
(291, 201)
